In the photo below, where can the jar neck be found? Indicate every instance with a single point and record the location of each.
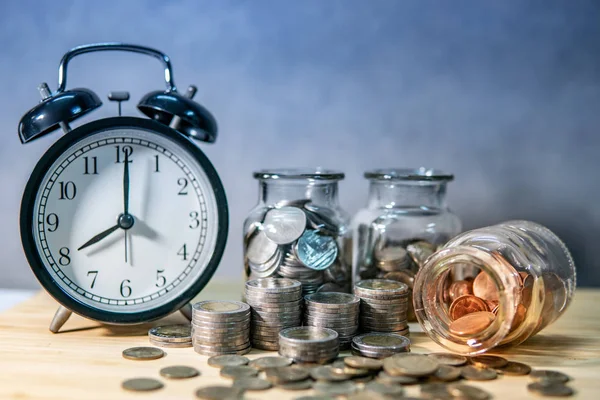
(432, 313)
(274, 191)
(398, 194)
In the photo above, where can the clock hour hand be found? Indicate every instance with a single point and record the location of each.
(99, 237)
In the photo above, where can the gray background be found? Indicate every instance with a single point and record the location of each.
(504, 94)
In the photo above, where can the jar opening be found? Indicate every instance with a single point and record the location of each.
(409, 174)
(317, 174)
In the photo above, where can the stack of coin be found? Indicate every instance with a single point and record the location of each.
(392, 258)
(309, 344)
(171, 335)
(384, 305)
(379, 345)
(221, 327)
(276, 304)
(292, 268)
(337, 311)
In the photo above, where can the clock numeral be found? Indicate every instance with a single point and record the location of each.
(183, 182)
(94, 166)
(95, 273)
(126, 151)
(64, 259)
(52, 221)
(183, 252)
(125, 289)
(162, 281)
(156, 164)
(195, 221)
(68, 190)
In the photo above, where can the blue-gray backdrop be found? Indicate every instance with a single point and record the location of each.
(505, 94)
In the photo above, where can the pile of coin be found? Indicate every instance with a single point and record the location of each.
(171, 335)
(379, 345)
(337, 311)
(309, 344)
(221, 327)
(276, 304)
(297, 240)
(383, 306)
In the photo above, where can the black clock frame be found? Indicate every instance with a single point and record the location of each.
(27, 220)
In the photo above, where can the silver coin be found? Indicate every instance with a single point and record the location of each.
(318, 220)
(231, 360)
(251, 384)
(207, 352)
(335, 388)
(171, 345)
(316, 251)
(308, 335)
(284, 225)
(171, 333)
(256, 299)
(331, 300)
(218, 308)
(380, 341)
(179, 372)
(380, 287)
(277, 307)
(273, 286)
(264, 363)
(388, 319)
(265, 345)
(221, 346)
(209, 341)
(267, 269)
(260, 248)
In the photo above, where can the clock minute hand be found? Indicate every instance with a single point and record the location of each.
(99, 237)
(126, 184)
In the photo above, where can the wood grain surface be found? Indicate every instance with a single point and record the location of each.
(84, 361)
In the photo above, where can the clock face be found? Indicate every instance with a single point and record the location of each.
(126, 220)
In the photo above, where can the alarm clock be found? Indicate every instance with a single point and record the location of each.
(124, 219)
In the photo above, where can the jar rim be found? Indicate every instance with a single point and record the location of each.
(320, 174)
(408, 174)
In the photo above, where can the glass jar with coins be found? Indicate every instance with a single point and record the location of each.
(494, 286)
(405, 221)
(299, 231)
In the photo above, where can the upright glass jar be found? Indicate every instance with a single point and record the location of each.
(494, 286)
(405, 221)
(298, 230)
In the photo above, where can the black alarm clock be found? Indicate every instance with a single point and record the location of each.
(124, 219)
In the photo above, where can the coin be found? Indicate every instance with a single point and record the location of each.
(335, 388)
(384, 388)
(420, 251)
(384, 377)
(251, 384)
(299, 385)
(460, 288)
(332, 300)
(415, 365)
(284, 225)
(315, 250)
(435, 390)
(468, 392)
(327, 373)
(375, 341)
(227, 360)
(171, 333)
(550, 389)
(264, 363)
(286, 374)
(548, 375)
(471, 324)
(465, 305)
(478, 374)
(170, 345)
(179, 372)
(380, 288)
(142, 384)
(514, 368)
(143, 353)
(238, 371)
(485, 288)
(447, 373)
(363, 363)
(220, 308)
(488, 361)
(454, 360)
(260, 248)
(308, 335)
(219, 393)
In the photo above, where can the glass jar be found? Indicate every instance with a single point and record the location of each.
(298, 230)
(494, 286)
(405, 221)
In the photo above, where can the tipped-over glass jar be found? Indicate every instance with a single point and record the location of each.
(494, 286)
(405, 221)
(298, 230)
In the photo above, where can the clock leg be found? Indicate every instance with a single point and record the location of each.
(61, 316)
(187, 311)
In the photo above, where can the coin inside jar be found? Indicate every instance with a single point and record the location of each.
(465, 305)
(485, 288)
(472, 323)
(460, 288)
(284, 225)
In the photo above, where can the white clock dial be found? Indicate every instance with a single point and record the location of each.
(171, 203)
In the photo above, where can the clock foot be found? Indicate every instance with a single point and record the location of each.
(61, 316)
(187, 311)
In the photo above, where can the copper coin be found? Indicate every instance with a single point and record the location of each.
(453, 360)
(519, 317)
(488, 361)
(550, 389)
(471, 324)
(466, 305)
(460, 288)
(548, 375)
(514, 368)
(485, 288)
(478, 374)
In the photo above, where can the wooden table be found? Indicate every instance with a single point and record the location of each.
(84, 361)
